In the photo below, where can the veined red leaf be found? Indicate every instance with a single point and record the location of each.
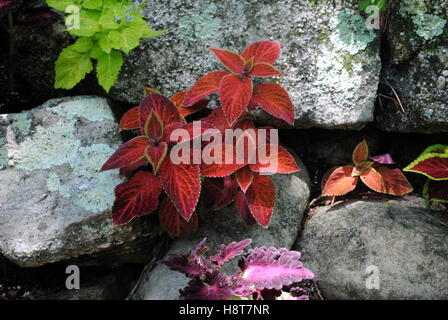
(340, 182)
(221, 168)
(165, 109)
(244, 178)
(432, 165)
(173, 223)
(154, 126)
(274, 100)
(132, 167)
(373, 180)
(195, 130)
(206, 85)
(130, 152)
(262, 51)
(263, 69)
(360, 153)
(261, 199)
(361, 167)
(218, 193)
(395, 181)
(130, 119)
(436, 191)
(182, 184)
(230, 251)
(136, 197)
(284, 162)
(248, 66)
(218, 119)
(234, 94)
(243, 209)
(155, 154)
(178, 100)
(230, 59)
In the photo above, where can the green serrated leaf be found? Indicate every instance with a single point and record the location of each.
(105, 42)
(96, 51)
(107, 20)
(88, 23)
(71, 68)
(60, 5)
(125, 39)
(108, 68)
(92, 4)
(83, 44)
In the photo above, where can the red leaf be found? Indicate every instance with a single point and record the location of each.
(184, 111)
(361, 153)
(262, 51)
(221, 169)
(130, 119)
(130, 152)
(154, 126)
(194, 129)
(218, 119)
(182, 184)
(172, 222)
(436, 191)
(432, 165)
(136, 197)
(230, 59)
(155, 154)
(132, 167)
(373, 180)
(263, 69)
(218, 193)
(340, 182)
(261, 199)
(244, 177)
(166, 110)
(284, 162)
(243, 209)
(274, 100)
(206, 85)
(395, 181)
(234, 94)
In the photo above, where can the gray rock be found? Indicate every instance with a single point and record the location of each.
(225, 226)
(400, 241)
(329, 57)
(55, 203)
(417, 37)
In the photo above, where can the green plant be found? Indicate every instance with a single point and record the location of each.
(433, 163)
(365, 4)
(106, 27)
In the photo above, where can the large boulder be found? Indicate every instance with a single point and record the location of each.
(225, 226)
(416, 69)
(377, 250)
(329, 56)
(55, 203)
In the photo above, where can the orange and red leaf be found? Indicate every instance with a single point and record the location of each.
(339, 182)
(395, 181)
(283, 163)
(261, 199)
(130, 152)
(274, 100)
(136, 197)
(233, 61)
(206, 85)
(262, 51)
(130, 119)
(172, 222)
(360, 153)
(263, 69)
(373, 180)
(178, 100)
(235, 94)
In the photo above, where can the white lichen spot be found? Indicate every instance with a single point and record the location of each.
(204, 25)
(93, 109)
(351, 33)
(47, 147)
(54, 185)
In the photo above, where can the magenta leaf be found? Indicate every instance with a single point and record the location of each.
(271, 268)
(230, 251)
(383, 159)
(183, 264)
(216, 286)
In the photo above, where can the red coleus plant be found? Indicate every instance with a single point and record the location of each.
(236, 88)
(265, 273)
(342, 180)
(433, 163)
(156, 117)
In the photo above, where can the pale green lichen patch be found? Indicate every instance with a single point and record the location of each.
(199, 26)
(47, 148)
(21, 123)
(93, 109)
(3, 153)
(353, 32)
(54, 185)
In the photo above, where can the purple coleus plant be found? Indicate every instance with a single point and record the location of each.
(265, 273)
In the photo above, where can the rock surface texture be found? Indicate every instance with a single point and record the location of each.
(225, 226)
(329, 57)
(54, 202)
(377, 250)
(417, 68)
